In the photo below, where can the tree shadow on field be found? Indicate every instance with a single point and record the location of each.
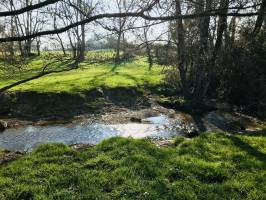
(42, 73)
(248, 148)
(99, 78)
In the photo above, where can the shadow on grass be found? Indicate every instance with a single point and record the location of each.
(248, 148)
(100, 78)
(69, 67)
(122, 61)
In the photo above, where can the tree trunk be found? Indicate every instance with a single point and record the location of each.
(20, 48)
(118, 45)
(201, 63)
(82, 44)
(260, 18)
(73, 46)
(232, 32)
(58, 36)
(38, 41)
(222, 25)
(12, 31)
(28, 43)
(147, 44)
(27, 47)
(181, 48)
(149, 54)
(61, 44)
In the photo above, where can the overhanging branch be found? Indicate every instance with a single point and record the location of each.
(121, 15)
(28, 8)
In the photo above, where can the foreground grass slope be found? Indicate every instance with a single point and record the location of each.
(212, 166)
(87, 76)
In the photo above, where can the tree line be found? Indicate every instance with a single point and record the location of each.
(217, 47)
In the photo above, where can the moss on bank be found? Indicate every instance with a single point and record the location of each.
(212, 166)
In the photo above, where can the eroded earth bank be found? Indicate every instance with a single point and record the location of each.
(88, 118)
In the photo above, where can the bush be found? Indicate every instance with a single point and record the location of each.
(243, 74)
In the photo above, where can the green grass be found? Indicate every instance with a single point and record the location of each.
(87, 76)
(212, 166)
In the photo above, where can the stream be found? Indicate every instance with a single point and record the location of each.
(27, 138)
(158, 127)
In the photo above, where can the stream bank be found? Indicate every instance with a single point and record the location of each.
(102, 113)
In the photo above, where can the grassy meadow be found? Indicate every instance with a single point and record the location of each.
(87, 76)
(211, 166)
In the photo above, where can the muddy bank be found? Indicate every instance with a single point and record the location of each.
(114, 106)
(8, 156)
(22, 108)
(84, 120)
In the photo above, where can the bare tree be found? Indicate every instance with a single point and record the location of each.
(118, 25)
(71, 12)
(143, 37)
(26, 24)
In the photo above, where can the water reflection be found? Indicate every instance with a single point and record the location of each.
(28, 138)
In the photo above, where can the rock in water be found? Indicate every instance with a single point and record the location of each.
(3, 125)
(192, 133)
(134, 119)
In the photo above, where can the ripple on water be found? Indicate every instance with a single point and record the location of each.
(28, 138)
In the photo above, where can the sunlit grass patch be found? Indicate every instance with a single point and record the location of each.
(87, 76)
(211, 166)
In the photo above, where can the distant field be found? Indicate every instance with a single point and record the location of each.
(87, 76)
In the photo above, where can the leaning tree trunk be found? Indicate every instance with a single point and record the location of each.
(61, 44)
(260, 18)
(19, 29)
(73, 46)
(58, 36)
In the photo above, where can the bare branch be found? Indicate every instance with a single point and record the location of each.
(27, 8)
(122, 15)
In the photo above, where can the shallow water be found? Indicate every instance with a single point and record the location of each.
(28, 138)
